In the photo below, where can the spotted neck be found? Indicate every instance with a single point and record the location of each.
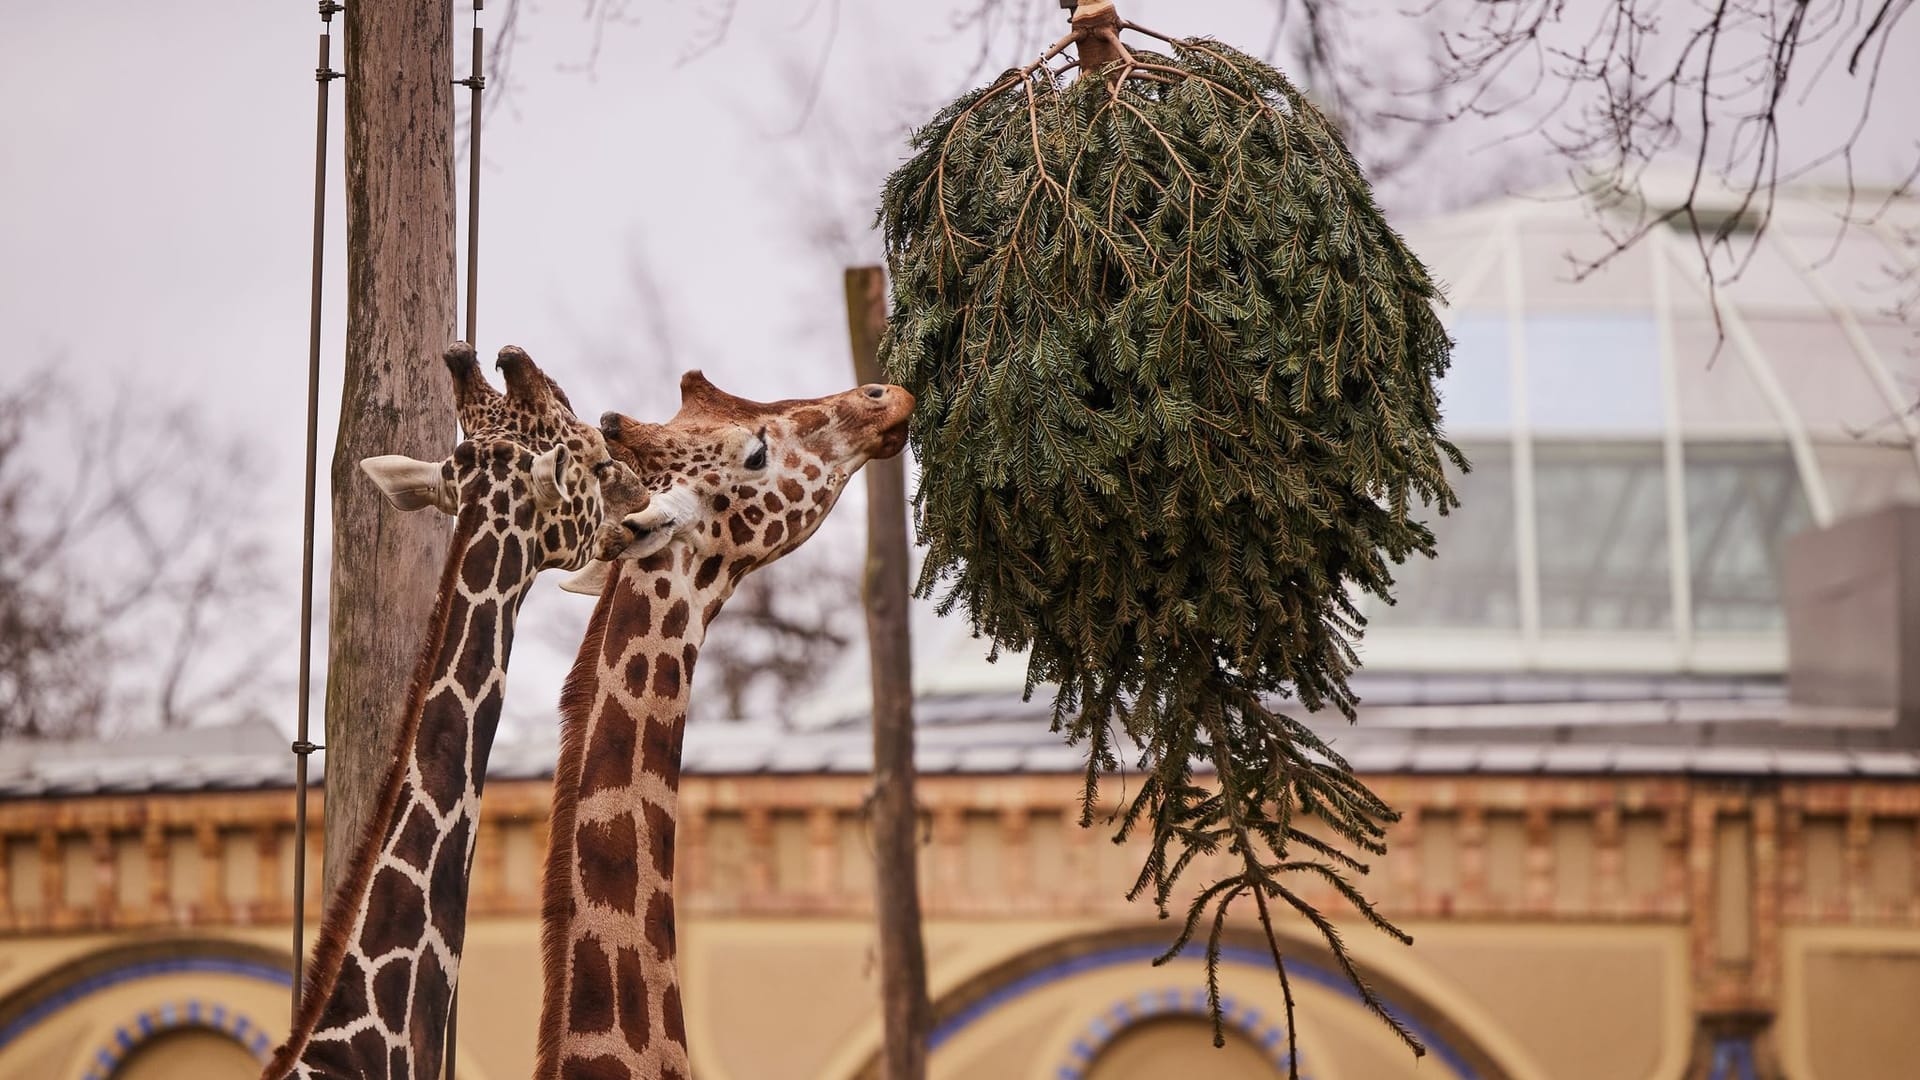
(735, 485)
(389, 952)
(612, 1008)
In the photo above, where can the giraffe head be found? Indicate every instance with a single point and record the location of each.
(528, 466)
(739, 483)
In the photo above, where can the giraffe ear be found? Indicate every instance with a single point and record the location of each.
(409, 483)
(591, 580)
(548, 489)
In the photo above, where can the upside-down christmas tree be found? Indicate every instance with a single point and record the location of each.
(1177, 413)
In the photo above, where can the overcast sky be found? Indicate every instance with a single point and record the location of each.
(155, 171)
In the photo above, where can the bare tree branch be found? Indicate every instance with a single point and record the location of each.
(1631, 85)
(127, 569)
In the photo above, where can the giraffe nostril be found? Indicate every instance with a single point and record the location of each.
(876, 392)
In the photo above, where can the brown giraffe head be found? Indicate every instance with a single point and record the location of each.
(740, 483)
(527, 463)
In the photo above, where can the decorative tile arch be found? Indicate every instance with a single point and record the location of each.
(190, 1014)
(1147, 1005)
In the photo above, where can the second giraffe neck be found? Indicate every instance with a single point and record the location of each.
(389, 949)
(612, 993)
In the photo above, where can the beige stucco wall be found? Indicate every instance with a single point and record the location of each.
(772, 999)
(1850, 1007)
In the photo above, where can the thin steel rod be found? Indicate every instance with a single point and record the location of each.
(475, 82)
(323, 74)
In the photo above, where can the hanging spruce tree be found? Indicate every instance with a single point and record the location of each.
(1176, 381)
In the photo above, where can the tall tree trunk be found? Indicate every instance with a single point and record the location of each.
(400, 311)
(907, 1016)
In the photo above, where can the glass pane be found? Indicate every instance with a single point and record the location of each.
(1854, 264)
(1822, 376)
(1552, 258)
(1451, 254)
(1476, 392)
(1601, 510)
(1474, 580)
(1743, 501)
(1594, 374)
(1766, 280)
(1898, 347)
(1716, 388)
(1862, 477)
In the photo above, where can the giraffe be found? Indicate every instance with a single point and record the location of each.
(530, 488)
(735, 485)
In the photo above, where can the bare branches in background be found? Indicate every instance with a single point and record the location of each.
(45, 649)
(128, 567)
(1618, 85)
(784, 628)
(1906, 238)
(995, 24)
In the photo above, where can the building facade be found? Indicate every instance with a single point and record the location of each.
(1568, 926)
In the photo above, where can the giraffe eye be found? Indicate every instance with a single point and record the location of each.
(757, 459)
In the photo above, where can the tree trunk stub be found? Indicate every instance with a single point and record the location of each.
(1098, 26)
(400, 316)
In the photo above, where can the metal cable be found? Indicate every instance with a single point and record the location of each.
(302, 747)
(475, 82)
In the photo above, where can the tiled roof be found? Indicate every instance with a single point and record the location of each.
(1426, 724)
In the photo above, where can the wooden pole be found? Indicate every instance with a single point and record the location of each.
(907, 1016)
(396, 400)
(303, 746)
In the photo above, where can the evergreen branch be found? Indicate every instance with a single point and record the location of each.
(1237, 810)
(1368, 996)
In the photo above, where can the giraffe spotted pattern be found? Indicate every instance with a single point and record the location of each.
(532, 488)
(735, 485)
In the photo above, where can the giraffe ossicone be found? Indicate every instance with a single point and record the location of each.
(734, 484)
(531, 488)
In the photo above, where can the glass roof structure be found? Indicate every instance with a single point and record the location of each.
(1637, 466)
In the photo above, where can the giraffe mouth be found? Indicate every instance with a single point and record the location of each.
(892, 441)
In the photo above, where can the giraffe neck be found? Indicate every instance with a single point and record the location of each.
(388, 955)
(611, 1009)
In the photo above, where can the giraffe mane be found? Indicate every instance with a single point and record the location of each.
(556, 897)
(330, 947)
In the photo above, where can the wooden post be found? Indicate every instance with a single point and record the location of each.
(396, 399)
(907, 1015)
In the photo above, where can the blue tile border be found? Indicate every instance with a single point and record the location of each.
(191, 1010)
(1733, 1060)
(1171, 1001)
(161, 1019)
